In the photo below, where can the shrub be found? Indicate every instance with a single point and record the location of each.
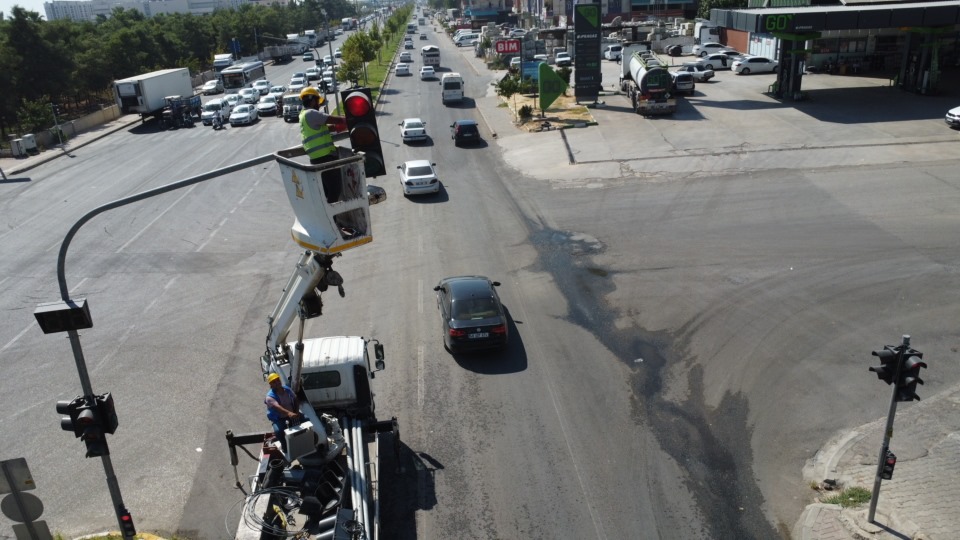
(525, 112)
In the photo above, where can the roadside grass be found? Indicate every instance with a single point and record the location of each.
(850, 497)
(377, 70)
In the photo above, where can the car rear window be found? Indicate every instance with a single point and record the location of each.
(474, 308)
(419, 171)
(468, 128)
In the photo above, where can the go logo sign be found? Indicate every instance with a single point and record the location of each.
(777, 23)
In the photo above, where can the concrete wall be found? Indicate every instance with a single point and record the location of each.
(48, 138)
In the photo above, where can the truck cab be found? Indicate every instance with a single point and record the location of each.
(336, 374)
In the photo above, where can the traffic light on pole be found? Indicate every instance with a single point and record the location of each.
(361, 118)
(910, 375)
(889, 462)
(126, 523)
(887, 369)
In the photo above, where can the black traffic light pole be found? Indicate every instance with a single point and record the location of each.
(123, 516)
(888, 432)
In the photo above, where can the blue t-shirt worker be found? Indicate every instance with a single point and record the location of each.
(282, 408)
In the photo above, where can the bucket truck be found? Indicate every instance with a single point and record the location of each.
(325, 483)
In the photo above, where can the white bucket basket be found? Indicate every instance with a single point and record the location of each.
(329, 200)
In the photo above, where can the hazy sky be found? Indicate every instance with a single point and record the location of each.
(30, 5)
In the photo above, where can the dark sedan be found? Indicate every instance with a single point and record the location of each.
(471, 313)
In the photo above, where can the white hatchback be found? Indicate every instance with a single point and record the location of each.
(418, 176)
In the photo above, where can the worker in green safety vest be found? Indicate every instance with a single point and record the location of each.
(317, 140)
(316, 137)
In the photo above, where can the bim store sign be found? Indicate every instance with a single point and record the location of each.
(586, 31)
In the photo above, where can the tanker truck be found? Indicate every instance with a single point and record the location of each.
(648, 84)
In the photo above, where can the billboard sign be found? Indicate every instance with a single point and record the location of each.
(586, 31)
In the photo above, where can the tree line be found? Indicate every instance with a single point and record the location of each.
(74, 63)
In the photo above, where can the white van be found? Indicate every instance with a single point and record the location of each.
(613, 52)
(452, 87)
(466, 39)
(210, 109)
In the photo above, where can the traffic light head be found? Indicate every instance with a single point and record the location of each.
(889, 462)
(361, 118)
(887, 370)
(107, 413)
(910, 376)
(126, 521)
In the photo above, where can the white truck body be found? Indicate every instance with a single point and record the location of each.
(705, 31)
(145, 94)
(222, 61)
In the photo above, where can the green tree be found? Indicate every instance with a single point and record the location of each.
(703, 10)
(508, 87)
(35, 115)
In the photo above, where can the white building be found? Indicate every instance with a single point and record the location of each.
(81, 10)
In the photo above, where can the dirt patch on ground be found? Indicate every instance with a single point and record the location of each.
(564, 112)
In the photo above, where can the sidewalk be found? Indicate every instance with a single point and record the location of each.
(921, 499)
(15, 166)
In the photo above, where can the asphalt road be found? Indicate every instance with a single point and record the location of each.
(681, 343)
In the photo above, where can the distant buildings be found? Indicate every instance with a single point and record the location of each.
(85, 10)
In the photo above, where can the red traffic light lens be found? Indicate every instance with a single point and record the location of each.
(357, 105)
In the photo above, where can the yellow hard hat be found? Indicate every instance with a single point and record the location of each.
(273, 377)
(310, 91)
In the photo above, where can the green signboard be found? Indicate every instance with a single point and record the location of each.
(551, 86)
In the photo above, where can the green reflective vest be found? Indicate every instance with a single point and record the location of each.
(317, 143)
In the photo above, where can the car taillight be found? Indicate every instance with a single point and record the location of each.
(499, 329)
(454, 332)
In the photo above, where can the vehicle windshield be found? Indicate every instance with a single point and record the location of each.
(268, 99)
(212, 106)
(413, 125)
(474, 308)
(423, 170)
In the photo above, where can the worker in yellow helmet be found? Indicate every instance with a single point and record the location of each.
(317, 140)
(282, 408)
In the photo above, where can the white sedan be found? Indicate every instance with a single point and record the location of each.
(243, 114)
(267, 106)
(427, 72)
(406, 58)
(402, 69)
(413, 129)
(212, 87)
(262, 86)
(297, 84)
(418, 176)
(755, 64)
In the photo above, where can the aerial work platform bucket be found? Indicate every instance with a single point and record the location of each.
(329, 200)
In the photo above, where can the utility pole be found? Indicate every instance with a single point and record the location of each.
(336, 93)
